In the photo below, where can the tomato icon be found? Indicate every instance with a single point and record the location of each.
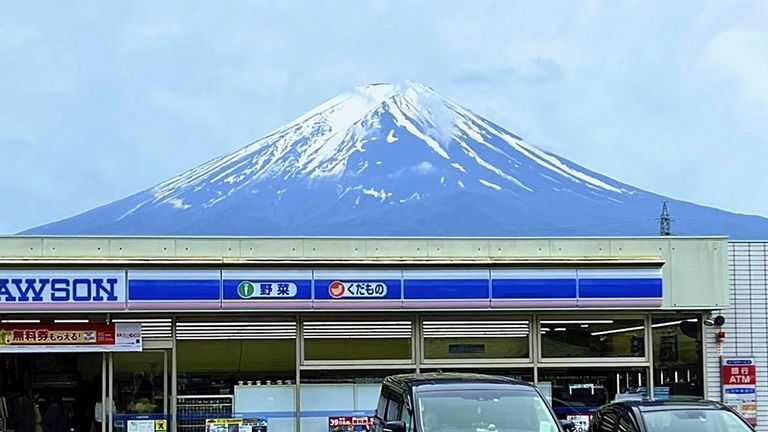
(336, 289)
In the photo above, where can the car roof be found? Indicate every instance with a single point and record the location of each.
(449, 379)
(668, 405)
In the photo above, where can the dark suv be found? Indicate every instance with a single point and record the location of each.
(459, 402)
(668, 416)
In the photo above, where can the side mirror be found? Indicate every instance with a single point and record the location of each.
(394, 426)
(568, 425)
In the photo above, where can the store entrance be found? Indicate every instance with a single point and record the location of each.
(140, 391)
(65, 383)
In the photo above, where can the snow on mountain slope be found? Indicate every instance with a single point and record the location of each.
(375, 161)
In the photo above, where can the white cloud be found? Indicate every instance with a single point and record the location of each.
(740, 55)
(190, 108)
(423, 167)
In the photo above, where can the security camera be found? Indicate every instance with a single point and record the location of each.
(716, 321)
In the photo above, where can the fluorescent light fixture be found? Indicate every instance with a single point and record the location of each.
(21, 321)
(621, 330)
(71, 321)
(473, 322)
(560, 329)
(578, 322)
(627, 329)
(584, 325)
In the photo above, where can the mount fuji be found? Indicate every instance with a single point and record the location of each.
(386, 160)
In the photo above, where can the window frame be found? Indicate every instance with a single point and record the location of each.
(643, 361)
(405, 363)
(488, 361)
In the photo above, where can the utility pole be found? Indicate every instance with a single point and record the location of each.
(665, 221)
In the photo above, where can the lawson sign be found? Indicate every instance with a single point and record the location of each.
(49, 289)
(436, 288)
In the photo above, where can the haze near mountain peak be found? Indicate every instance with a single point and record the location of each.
(395, 159)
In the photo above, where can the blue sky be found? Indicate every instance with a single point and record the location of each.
(104, 99)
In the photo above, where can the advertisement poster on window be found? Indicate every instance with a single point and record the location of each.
(68, 337)
(739, 385)
(580, 422)
(236, 425)
(350, 424)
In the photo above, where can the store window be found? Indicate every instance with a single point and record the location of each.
(576, 392)
(496, 339)
(329, 340)
(677, 356)
(522, 374)
(341, 392)
(585, 338)
(228, 368)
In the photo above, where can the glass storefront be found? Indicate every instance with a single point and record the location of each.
(356, 340)
(580, 390)
(475, 339)
(239, 366)
(677, 347)
(586, 338)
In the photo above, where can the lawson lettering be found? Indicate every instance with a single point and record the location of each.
(58, 290)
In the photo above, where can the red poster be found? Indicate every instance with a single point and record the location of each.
(350, 424)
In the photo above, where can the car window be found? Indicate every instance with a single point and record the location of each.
(608, 420)
(483, 410)
(406, 418)
(626, 424)
(381, 409)
(393, 410)
(694, 420)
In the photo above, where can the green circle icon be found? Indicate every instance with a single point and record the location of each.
(246, 289)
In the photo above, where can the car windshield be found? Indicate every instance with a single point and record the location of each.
(694, 420)
(483, 411)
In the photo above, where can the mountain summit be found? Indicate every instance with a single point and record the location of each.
(390, 159)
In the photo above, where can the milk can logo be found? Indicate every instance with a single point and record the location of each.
(246, 289)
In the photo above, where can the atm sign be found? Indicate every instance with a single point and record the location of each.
(739, 374)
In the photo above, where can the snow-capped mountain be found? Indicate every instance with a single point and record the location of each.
(395, 160)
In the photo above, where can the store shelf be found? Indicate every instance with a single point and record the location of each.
(193, 410)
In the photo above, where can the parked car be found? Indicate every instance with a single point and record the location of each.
(668, 416)
(459, 402)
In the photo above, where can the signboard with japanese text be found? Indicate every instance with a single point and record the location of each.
(350, 424)
(34, 337)
(146, 289)
(267, 288)
(739, 386)
(358, 288)
(236, 425)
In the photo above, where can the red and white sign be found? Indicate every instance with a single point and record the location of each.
(350, 424)
(23, 337)
(739, 374)
(739, 386)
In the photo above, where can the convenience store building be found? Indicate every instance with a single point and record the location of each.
(296, 330)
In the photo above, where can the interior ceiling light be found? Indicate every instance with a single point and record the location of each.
(578, 322)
